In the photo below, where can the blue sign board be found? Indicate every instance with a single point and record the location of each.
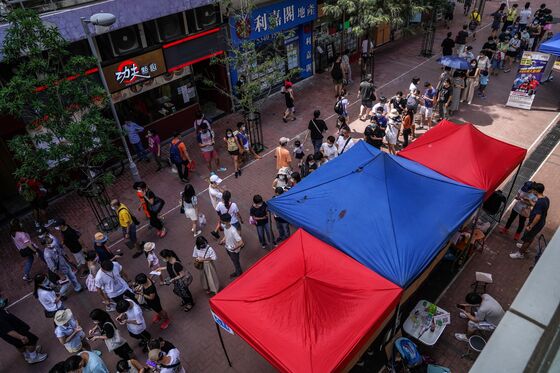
(221, 323)
(267, 20)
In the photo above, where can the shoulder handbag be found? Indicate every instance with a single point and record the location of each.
(316, 127)
(344, 147)
(116, 341)
(200, 265)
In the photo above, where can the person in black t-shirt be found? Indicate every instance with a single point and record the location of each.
(147, 288)
(180, 278)
(259, 217)
(71, 239)
(447, 45)
(537, 221)
(444, 98)
(316, 129)
(282, 225)
(16, 332)
(374, 136)
(398, 102)
(160, 344)
(461, 40)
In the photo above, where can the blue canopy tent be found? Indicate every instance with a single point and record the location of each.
(551, 46)
(390, 214)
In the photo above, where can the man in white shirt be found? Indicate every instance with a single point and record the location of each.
(233, 243)
(216, 193)
(485, 314)
(167, 363)
(131, 316)
(110, 283)
(525, 16)
(344, 141)
(329, 149)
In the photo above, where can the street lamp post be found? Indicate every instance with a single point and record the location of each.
(107, 19)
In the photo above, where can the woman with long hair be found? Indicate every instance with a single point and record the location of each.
(24, 246)
(180, 278)
(189, 204)
(147, 288)
(44, 292)
(106, 330)
(229, 207)
(205, 256)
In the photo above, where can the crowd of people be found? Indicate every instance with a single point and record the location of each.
(126, 300)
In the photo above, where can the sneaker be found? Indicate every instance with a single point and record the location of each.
(164, 325)
(37, 359)
(516, 255)
(197, 233)
(156, 319)
(519, 245)
(215, 234)
(222, 169)
(79, 290)
(517, 236)
(263, 247)
(503, 230)
(461, 337)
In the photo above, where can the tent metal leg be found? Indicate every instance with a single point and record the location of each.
(510, 190)
(223, 345)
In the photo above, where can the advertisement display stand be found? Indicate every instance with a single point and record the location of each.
(528, 78)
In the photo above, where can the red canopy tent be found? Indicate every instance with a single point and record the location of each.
(465, 154)
(307, 307)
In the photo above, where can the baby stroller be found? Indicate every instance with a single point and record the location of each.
(410, 356)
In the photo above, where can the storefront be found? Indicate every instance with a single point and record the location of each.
(295, 20)
(163, 88)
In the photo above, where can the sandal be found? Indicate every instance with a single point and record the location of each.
(188, 307)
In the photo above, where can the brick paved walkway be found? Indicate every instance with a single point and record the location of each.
(194, 332)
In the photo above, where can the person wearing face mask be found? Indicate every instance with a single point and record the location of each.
(69, 332)
(483, 62)
(344, 141)
(309, 165)
(513, 46)
(128, 226)
(281, 180)
(204, 258)
(444, 98)
(206, 142)
(329, 149)
(234, 149)
(471, 82)
(44, 292)
(245, 141)
(93, 266)
(57, 263)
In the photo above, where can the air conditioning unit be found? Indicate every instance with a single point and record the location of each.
(125, 40)
(170, 27)
(207, 16)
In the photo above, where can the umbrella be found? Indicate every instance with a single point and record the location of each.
(454, 62)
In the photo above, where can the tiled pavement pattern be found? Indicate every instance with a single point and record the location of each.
(194, 333)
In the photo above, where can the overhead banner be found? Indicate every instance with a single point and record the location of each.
(531, 69)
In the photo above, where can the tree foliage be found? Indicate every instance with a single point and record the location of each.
(62, 107)
(261, 70)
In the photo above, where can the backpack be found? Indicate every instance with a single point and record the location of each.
(338, 107)
(472, 25)
(494, 203)
(175, 154)
(411, 102)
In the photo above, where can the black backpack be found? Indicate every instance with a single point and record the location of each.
(338, 107)
(494, 203)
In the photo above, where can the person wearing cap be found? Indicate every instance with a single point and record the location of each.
(282, 154)
(57, 263)
(392, 131)
(383, 105)
(69, 332)
(166, 362)
(100, 248)
(282, 179)
(233, 243)
(128, 226)
(71, 239)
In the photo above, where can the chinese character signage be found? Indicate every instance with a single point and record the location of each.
(531, 69)
(273, 18)
(134, 70)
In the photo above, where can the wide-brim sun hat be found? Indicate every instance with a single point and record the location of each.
(62, 317)
(149, 246)
(100, 237)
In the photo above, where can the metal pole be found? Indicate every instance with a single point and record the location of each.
(223, 345)
(510, 190)
(133, 169)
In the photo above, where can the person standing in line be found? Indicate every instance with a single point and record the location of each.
(92, 263)
(471, 82)
(179, 156)
(189, 204)
(534, 32)
(525, 200)
(537, 221)
(513, 49)
(407, 126)
(229, 207)
(328, 149)
(233, 243)
(204, 258)
(132, 130)
(57, 263)
(316, 128)
(216, 193)
(290, 102)
(71, 239)
(128, 226)
(206, 144)
(467, 53)
(524, 16)
(337, 76)
(180, 278)
(105, 330)
(170, 362)
(199, 121)
(497, 17)
(461, 40)
(44, 291)
(86, 362)
(234, 149)
(413, 85)
(24, 246)
(259, 218)
(147, 289)
(366, 93)
(483, 83)
(444, 98)
(346, 67)
(16, 332)
(344, 141)
(69, 332)
(282, 225)
(458, 85)
(282, 154)
(398, 102)
(245, 141)
(391, 134)
(103, 252)
(130, 314)
(111, 283)
(154, 144)
(429, 98)
(511, 16)
(447, 45)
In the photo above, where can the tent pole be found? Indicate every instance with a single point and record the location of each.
(510, 190)
(270, 219)
(223, 345)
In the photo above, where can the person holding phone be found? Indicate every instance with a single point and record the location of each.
(482, 312)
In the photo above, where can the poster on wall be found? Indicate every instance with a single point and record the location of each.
(531, 69)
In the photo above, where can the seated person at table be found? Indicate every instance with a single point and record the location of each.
(485, 314)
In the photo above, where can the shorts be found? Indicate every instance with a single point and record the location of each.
(511, 53)
(154, 305)
(529, 236)
(79, 257)
(191, 214)
(367, 103)
(337, 81)
(428, 112)
(208, 156)
(233, 152)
